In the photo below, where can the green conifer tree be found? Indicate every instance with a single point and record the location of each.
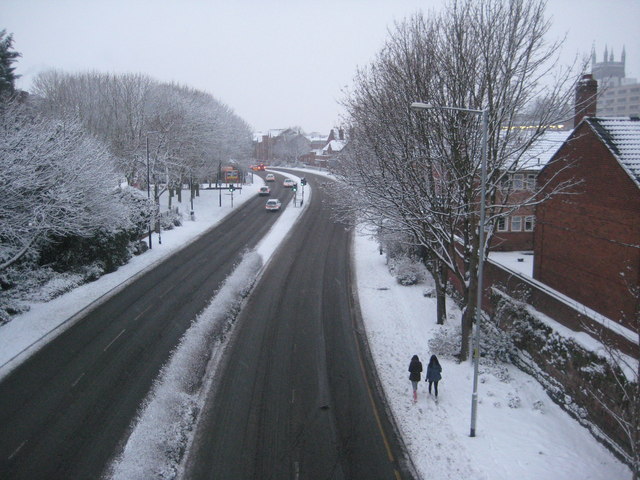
(7, 57)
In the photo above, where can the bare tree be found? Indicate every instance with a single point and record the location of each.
(620, 398)
(195, 133)
(418, 172)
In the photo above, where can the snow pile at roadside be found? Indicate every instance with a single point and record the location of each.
(520, 432)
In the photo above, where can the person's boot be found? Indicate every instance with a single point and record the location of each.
(415, 396)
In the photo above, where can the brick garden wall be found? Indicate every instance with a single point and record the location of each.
(550, 303)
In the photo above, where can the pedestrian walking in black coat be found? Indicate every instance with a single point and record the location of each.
(415, 369)
(434, 371)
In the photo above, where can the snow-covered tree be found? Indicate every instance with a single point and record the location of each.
(57, 181)
(113, 108)
(188, 131)
(419, 172)
(290, 145)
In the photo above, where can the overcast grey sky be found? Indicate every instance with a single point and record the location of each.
(275, 63)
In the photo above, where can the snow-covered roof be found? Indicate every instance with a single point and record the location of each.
(545, 147)
(334, 146)
(622, 136)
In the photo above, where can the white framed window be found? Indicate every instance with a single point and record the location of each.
(516, 224)
(529, 223)
(502, 224)
(518, 181)
(530, 182)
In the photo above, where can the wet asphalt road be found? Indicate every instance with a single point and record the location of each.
(295, 399)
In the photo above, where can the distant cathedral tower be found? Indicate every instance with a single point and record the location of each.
(608, 72)
(618, 96)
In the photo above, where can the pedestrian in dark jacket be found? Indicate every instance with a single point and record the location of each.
(415, 369)
(434, 371)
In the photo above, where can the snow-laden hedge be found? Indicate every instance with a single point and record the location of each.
(59, 263)
(585, 383)
(408, 271)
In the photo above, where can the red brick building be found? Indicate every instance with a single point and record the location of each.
(514, 232)
(587, 241)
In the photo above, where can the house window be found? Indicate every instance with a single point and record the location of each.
(530, 182)
(504, 183)
(502, 225)
(518, 181)
(529, 222)
(516, 224)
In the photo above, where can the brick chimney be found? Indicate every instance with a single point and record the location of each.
(586, 98)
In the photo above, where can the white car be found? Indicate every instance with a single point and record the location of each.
(288, 183)
(264, 191)
(273, 205)
(270, 177)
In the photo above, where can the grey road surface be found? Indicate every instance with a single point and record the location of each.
(295, 398)
(65, 411)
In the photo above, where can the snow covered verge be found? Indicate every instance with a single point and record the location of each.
(587, 378)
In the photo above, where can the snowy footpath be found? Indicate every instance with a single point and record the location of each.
(521, 434)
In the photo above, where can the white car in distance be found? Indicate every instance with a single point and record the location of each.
(273, 205)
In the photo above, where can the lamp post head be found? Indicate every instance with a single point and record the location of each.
(421, 106)
(426, 106)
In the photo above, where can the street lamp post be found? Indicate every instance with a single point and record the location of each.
(220, 183)
(483, 188)
(149, 188)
